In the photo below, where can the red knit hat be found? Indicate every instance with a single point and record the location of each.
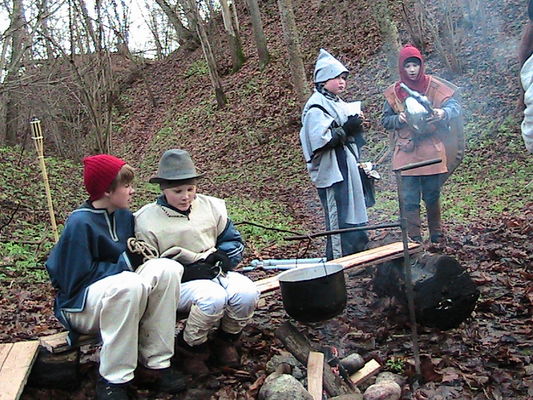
(99, 172)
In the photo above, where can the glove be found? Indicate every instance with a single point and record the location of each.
(199, 270)
(221, 257)
(136, 259)
(353, 125)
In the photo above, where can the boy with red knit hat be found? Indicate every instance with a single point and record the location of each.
(421, 136)
(107, 289)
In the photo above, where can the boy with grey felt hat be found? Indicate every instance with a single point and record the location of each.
(195, 230)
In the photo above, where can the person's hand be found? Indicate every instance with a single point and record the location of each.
(199, 270)
(221, 257)
(402, 117)
(136, 259)
(353, 125)
(438, 115)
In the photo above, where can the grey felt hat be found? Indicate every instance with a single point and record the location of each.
(175, 165)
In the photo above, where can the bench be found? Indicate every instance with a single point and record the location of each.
(57, 343)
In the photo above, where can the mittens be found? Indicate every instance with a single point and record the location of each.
(199, 270)
(353, 125)
(221, 257)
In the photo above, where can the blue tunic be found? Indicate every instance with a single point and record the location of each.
(91, 247)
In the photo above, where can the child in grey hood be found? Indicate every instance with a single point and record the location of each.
(331, 140)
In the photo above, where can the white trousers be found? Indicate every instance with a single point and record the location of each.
(135, 315)
(231, 298)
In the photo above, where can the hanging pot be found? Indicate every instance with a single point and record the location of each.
(315, 293)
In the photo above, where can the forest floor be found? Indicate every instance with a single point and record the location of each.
(251, 153)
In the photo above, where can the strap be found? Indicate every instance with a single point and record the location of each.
(321, 108)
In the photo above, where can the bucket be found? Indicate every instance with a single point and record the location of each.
(315, 293)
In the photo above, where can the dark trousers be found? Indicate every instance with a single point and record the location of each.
(335, 207)
(426, 185)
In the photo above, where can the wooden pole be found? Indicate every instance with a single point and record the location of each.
(37, 136)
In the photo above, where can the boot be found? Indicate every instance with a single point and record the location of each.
(193, 358)
(225, 350)
(413, 225)
(111, 391)
(434, 222)
(166, 380)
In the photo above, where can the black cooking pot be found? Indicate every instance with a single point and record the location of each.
(315, 293)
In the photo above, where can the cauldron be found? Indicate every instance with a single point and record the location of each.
(314, 293)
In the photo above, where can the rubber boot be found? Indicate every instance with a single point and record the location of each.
(434, 222)
(225, 350)
(193, 358)
(413, 225)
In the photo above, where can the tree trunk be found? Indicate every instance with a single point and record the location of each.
(19, 46)
(445, 295)
(211, 65)
(237, 55)
(389, 34)
(296, 64)
(259, 34)
(185, 36)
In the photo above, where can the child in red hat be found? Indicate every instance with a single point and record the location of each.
(107, 289)
(436, 135)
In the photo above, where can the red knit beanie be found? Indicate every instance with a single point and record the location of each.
(99, 172)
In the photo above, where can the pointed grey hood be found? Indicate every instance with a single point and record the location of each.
(327, 67)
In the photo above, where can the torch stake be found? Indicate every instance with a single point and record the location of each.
(37, 137)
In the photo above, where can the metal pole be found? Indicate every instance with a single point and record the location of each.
(407, 258)
(337, 231)
(37, 137)
(408, 275)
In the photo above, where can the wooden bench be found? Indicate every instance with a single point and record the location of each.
(58, 343)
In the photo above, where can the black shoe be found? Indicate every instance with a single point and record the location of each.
(111, 391)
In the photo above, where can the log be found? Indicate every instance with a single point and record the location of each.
(297, 344)
(58, 371)
(444, 293)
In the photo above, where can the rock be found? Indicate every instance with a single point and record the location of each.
(351, 396)
(352, 363)
(283, 387)
(391, 377)
(273, 363)
(386, 390)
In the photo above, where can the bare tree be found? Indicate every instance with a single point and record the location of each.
(20, 46)
(259, 34)
(389, 33)
(290, 33)
(237, 55)
(186, 36)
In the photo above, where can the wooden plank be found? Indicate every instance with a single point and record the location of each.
(16, 368)
(370, 368)
(315, 372)
(58, 343)
(360, 260)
